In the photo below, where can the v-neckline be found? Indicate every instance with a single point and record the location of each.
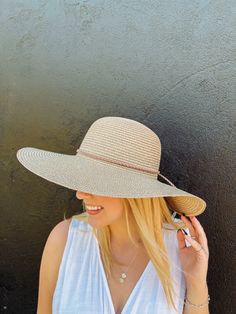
(107, 286)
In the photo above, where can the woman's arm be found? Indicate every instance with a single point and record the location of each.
(50, 264)
(194, 260)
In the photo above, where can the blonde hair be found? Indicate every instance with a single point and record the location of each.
(149, 215)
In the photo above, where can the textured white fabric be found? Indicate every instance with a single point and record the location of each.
(82, 287)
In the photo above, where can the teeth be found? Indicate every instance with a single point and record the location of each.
(93, 207)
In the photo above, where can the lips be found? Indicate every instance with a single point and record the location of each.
(94, 212)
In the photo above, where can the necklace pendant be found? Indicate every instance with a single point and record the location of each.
(122, 277)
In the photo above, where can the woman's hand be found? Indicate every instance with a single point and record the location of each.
(194, 259)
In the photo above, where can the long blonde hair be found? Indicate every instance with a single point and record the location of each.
(149, 215)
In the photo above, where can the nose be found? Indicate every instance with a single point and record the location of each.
(82, 195)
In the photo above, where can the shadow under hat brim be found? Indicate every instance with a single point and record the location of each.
(84, 174)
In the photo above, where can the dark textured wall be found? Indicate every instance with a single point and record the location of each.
(64, 64)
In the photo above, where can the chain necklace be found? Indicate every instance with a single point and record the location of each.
(123, 274)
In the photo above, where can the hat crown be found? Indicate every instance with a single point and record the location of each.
(124, 143)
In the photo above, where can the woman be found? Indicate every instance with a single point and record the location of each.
(126, 254)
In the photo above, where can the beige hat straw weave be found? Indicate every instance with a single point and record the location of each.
(118, 157)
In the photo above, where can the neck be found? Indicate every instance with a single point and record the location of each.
(122, 248)
(119, 234)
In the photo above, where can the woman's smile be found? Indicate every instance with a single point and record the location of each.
(94, 211)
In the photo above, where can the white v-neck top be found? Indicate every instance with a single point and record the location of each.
(82, 287)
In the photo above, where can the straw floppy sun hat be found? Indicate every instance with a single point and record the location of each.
(118, 157)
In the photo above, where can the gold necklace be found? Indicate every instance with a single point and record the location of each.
(123, 274)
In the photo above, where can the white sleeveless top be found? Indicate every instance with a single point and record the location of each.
(82, 287)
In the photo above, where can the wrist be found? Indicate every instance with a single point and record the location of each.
(197, 294)
(197, 286)
(199, 305)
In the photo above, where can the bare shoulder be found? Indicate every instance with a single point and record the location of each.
(56, 241)
(57, 238)
(50, 264)
(59, 233)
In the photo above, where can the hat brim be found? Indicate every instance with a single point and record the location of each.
(82, 173)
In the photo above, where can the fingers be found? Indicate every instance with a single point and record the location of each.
(200, 249)
(181, 239)
(196, 230)
(189, 225)
(202, 239)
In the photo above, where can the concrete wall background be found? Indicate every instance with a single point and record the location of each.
(168, 64)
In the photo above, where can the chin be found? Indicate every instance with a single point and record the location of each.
(96, 224)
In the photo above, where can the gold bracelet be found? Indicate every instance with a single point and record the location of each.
(186, 301)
